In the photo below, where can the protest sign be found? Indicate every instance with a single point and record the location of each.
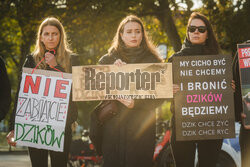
(244, 65)
(130, 81)
(204, 106)
(42, 109)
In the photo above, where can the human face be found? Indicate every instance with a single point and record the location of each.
(197, 37)
(50, 37)
(132, 34)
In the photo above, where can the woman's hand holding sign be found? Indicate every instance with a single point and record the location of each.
(233, 85)
(176, 88)
(119, 62)
(243, 116)
(10, 138)
(127, 102)
(50, 59)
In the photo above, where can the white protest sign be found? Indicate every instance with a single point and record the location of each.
(42, 109)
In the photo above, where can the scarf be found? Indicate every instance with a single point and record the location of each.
(132, 55)
(189, 49)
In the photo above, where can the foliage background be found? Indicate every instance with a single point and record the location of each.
(91, 25)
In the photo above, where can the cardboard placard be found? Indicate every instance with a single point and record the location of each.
(42, 109)
(244, 65)
(204, 106)
(130, 81)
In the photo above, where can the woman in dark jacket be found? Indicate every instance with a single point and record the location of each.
(200, 40)
(5, 91)
(129, 137)
(53, 47)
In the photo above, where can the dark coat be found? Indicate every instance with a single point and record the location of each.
(129, 137)
(5, 91)
(72, 114)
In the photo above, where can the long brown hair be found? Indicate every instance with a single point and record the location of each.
(145, 43)
(211, 41)
(62, 51)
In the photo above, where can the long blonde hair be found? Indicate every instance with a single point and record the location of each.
(62, 51)
(145, 43)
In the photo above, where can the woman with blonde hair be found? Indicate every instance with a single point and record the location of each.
(51, 53)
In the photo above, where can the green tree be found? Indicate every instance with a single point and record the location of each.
(18, 26)
(231, 20)
(91, 25)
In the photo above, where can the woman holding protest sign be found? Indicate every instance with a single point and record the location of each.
(128, 138)
(51, 53)
(200, 40)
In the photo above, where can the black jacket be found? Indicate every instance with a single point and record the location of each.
(129, 137)
(72, 112)
(5, 91)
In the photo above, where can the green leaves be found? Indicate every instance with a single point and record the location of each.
(91, 26)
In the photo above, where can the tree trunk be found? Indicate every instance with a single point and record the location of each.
(168, 25)
(25, 46)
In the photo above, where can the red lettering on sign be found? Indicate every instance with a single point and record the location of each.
(29, 83)
(245, 63)
(59, 87)
(47, 85)
(244, 52)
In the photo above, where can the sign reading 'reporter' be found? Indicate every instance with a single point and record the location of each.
(130, 81)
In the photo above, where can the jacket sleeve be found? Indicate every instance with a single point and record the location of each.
(76, 60)
(72, 114)
(170, 60)
(30, 63)
(107, 59)
(238, 108)
(5, 91)
(73, 110)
